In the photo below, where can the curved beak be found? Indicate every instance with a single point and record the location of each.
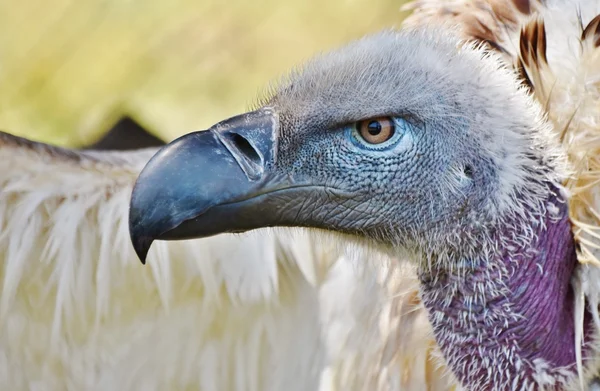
(209, 182)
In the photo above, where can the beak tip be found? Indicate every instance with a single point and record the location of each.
(141, 245)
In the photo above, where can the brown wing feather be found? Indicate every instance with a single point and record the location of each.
(591, 33)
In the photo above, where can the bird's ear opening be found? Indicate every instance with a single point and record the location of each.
(468, 171)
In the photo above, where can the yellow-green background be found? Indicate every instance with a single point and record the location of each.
(70, 68)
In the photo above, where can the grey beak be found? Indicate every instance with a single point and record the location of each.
(196, 185)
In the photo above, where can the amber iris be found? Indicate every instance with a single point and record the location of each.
(376, 130)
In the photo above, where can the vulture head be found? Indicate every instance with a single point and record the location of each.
(418, 145)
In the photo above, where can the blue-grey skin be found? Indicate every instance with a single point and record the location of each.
(470, 160)
(434, 176)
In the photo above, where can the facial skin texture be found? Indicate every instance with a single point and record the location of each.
(419, 187)
(469, 184)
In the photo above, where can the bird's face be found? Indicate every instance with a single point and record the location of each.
(401, 138)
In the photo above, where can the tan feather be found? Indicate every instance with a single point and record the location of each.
(591, 33)
(491, 22)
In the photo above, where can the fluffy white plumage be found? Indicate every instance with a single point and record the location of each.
(268, 310)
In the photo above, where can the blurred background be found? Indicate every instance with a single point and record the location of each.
(72, 69)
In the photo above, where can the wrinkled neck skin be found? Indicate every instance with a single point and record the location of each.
(507, 322)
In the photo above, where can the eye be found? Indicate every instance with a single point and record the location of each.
(376, 130)
(379, 133)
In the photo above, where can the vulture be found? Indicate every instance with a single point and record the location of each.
(415, 210)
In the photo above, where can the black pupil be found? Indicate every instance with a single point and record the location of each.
(374, 128)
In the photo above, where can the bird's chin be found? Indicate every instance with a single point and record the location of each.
(281, 207)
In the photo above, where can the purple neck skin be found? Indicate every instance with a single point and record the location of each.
(508, 323)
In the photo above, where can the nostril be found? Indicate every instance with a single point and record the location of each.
(245, 147)
(249, 157)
